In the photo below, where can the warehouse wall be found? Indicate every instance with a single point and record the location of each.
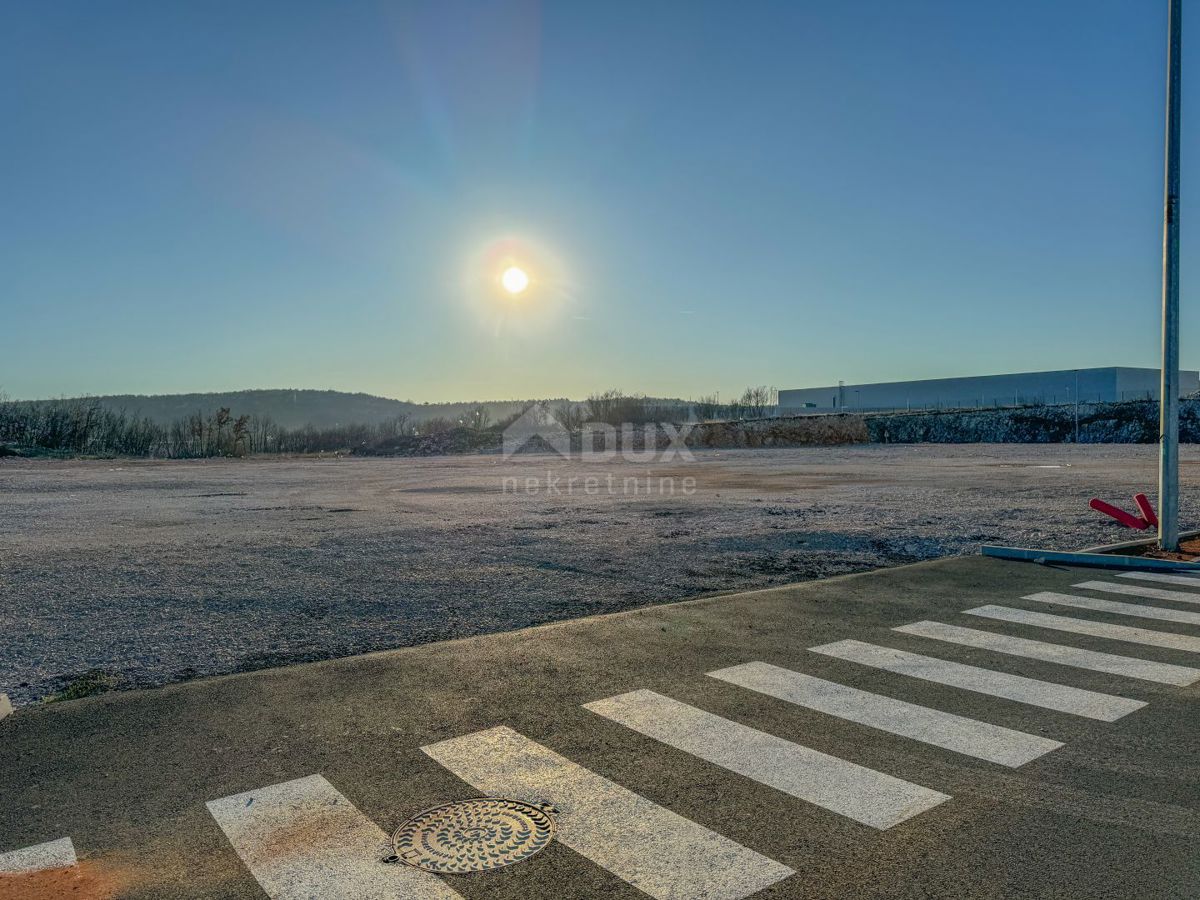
(1102, 385)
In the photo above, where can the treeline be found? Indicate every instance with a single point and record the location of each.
(755, 403)
(614, 407)
(76, 427)
(88, 427)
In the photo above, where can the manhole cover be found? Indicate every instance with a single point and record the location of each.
(473, 835)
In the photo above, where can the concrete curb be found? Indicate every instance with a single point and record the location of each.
(1137, 542)
(1103, 556)
(1086, 558)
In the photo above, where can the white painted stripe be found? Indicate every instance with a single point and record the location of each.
(5, 706)
(932, 726)
(1046, 694)
(58, 854)
(1126, 666)
(1087, 626)
(1136, 590)
(657, 851)
(1162, 578)
(851, 790)
(302, 840)
(1182, 616)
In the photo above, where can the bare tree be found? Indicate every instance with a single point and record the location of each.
(220, 419)
(569, 415)
(396, 426)
(477, 418)
(240, 435)
(707, 407)
(615, 407)
(755, 401)
(436, 425)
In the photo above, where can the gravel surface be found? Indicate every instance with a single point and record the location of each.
(138, 573)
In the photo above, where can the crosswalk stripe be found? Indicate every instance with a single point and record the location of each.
(1086, 626)
(847, 788)
(302, 839)
(657, 851)
(1162, 578)
(59, 854)
(1121, 609)
(1136, 590)
(1076, 657)
(1046, 694)
(932, 726)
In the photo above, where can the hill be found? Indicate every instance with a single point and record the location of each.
(295, 408)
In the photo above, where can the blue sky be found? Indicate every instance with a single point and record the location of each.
(218, 195)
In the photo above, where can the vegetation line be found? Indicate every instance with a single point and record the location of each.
(88, 427)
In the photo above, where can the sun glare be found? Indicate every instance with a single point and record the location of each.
(514, 280)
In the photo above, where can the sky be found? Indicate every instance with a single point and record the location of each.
(226, 195)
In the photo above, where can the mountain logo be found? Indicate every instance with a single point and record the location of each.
(536, 429)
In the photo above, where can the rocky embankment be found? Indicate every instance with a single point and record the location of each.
(1134, 422)
(791, 432)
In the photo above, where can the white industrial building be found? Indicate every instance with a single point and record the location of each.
(1103, 385)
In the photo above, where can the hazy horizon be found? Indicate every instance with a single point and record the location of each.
(450, 401)
(204, 197)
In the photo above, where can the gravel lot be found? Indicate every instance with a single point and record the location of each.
(136, 573)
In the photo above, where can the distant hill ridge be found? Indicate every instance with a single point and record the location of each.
(295, 408)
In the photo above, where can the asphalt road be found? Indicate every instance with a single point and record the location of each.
(932, 807)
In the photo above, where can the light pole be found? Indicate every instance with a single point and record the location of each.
(1076, 406)
(1168, 397)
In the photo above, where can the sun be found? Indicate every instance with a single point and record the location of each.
(514, 280)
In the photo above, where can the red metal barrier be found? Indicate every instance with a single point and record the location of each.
(1146, 509)
(1120, 515)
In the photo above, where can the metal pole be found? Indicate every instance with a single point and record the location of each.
(1077, 406)
(1168, 398)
